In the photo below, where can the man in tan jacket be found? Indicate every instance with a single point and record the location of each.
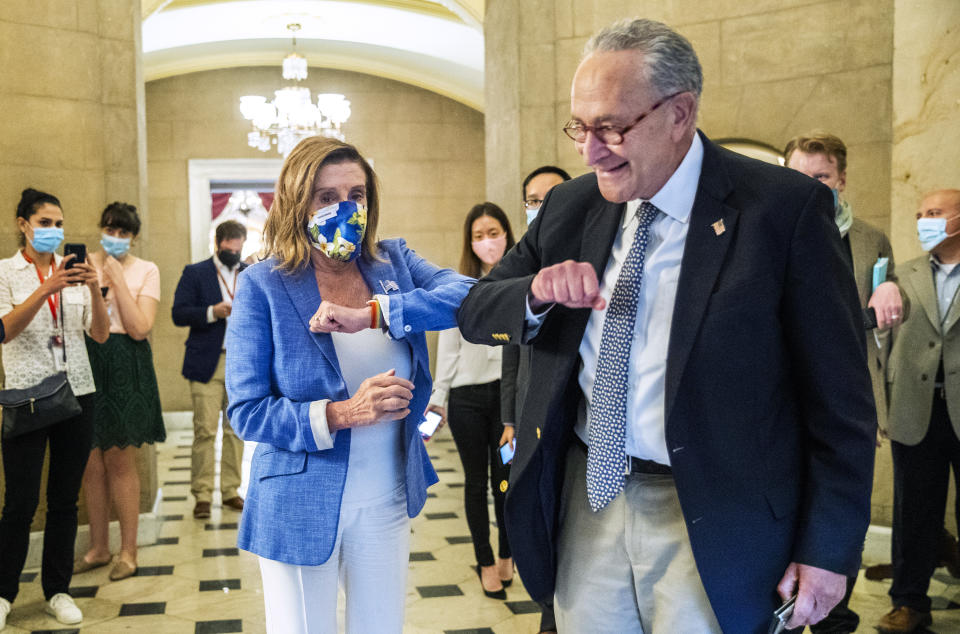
(923, 380)
(823, 156)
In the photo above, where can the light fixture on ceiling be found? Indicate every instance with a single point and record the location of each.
(291, 116)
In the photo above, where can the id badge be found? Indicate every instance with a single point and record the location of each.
(56, 346)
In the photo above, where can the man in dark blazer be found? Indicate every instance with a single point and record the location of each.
(742, 464)
(203, 301)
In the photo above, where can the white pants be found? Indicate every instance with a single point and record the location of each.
(369, 562)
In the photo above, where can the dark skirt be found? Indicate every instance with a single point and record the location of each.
(128, 408)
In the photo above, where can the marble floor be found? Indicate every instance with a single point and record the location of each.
(196, 581)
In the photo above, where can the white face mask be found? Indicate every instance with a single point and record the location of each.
(531, 214)
(932, 231)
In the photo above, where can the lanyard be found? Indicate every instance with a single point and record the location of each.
(225, 287)
(53, 301)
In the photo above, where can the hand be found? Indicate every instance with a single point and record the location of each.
(112, 271)
(886, 301)
(443, 416)
(60, 278)
(332, 317)
(222, 310)
(817, 590)
(382, 397)
(84, 273)
(572, 284)
(507, 437)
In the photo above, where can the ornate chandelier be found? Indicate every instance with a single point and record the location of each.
(291, 116)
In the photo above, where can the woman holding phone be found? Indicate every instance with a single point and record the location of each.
(46, 308)
(469, 375)
(128, 412)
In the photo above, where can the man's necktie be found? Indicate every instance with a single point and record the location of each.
(606, 458)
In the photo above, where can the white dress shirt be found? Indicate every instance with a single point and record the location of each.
(227, 276)
(648, 353)
(460, 363)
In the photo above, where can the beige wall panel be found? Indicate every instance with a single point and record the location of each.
(118, 73)
(118, 19)
(868, 183)
(30, 139)
(537, 78)
(568, 57)
(564, 19)
(425, 149)
(809, 40)
(51, 62)
(926, 111)
(59, 14)
(120, 123)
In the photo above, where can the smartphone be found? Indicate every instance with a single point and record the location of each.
(506, 453)
(77, 249)
(781, 616)
(428, 426)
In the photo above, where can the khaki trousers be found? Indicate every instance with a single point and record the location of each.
(209, 400)
(628, 568)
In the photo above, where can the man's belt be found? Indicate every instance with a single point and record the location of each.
(636, 465)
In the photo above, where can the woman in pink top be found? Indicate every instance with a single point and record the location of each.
(128, 411)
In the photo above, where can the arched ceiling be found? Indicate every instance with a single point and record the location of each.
(433, 44)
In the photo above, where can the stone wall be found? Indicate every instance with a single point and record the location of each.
(72, 103)
(427, 150)
(773, 69)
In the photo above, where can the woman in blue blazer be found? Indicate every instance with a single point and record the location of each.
(327, 369)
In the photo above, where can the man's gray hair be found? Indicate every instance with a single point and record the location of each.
(671, 64)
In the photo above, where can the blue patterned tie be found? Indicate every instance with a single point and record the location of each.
(607, 458)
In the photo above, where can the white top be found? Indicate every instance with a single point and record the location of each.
(27, 358)
(228, 284)
(646, 437)
(460, 362)
(375, 469)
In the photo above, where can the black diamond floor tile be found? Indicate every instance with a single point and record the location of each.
(221, 552)
(154, 571)
(443, 440)
(27, 577)
(84, 592)
(219, 627)
(170, 483)
(441, 516)
(66, 631)
(182, 457)
(175, 498)
(524, 607)
(424, 556)
(168, 541)
(455, 485)
(466, 539)
(142, 609)
(446, 470)
(434, 592)
(431, 495)
(171, 518)
(179, 469)
(219, 584)
(223, 526)
(452, 450)
(184, 446)
(475, 630)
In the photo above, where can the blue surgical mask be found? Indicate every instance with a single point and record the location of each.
(337, 230)
(117, 247)
(932, 231)
(836, 197)
(46, 239)
(531, 214)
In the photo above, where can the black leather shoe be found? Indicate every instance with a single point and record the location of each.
(492, 594)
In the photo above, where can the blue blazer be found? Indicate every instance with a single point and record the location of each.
(198, 289)
(276, 368)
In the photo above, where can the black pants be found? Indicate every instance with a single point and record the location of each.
(70, 443)
(921, 475)
(474, 416)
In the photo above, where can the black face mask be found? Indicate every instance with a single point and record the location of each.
(229, 258)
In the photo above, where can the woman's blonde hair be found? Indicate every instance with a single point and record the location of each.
(285, 232)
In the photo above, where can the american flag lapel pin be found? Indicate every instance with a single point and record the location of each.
(389, 285)
(718, 227)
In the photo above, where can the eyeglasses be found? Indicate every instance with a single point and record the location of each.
(532, 203)
(608, 134)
